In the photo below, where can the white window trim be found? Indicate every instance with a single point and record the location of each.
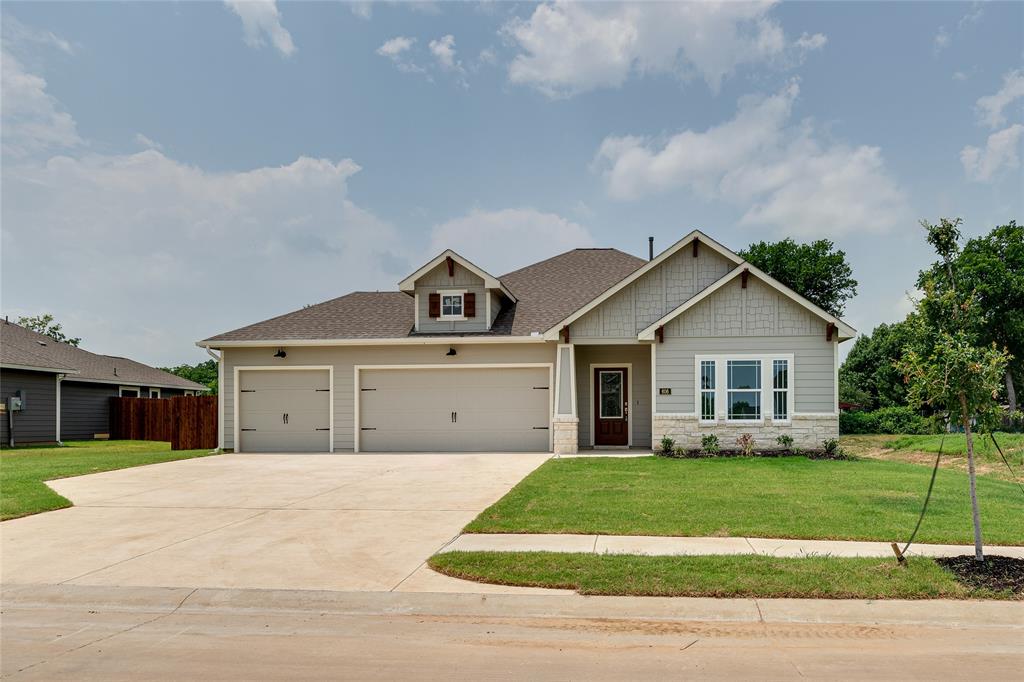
(789, 383)
(158, 392)
(699, 404)
(122, 389)
(461, 293)
(767, 387)
(629, 384)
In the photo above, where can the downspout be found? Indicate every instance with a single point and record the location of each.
(60, 378)
(220, 395)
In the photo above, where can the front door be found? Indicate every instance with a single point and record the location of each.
(611, 406)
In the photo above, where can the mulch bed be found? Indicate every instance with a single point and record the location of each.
(995, 573)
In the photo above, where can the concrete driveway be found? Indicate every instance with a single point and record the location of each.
(308, 522)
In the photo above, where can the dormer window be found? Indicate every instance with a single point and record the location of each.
(451, 306)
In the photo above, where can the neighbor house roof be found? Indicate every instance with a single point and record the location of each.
(544, 292)
(23, 348)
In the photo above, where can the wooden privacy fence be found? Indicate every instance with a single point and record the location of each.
(188, 422)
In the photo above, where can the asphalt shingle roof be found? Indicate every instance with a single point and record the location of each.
(26, 348)
(547, 292)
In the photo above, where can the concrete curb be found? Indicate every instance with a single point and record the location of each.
(156, 600)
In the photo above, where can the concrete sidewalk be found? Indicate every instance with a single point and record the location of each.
(677, 546)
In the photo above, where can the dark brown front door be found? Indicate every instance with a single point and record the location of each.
(611, 406)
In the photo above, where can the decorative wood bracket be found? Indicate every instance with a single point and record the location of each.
(743, 278)
(451, 266)
(696, 242)
(830, 329)
(659, 334)
(565, 333)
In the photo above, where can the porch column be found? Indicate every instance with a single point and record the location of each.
(565, 421)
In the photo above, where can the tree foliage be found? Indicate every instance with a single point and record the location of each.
(44, 324)
(202, 373)
(868, 376)
(817, 271)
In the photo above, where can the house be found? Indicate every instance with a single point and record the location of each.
(65, 391)
(592, 348)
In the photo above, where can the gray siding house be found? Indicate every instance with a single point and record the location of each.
(593, 348)
(65, 391)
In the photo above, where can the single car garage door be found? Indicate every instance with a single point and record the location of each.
(454, 410)
(284, 410)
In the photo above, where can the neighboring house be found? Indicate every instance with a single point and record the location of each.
(66, 391)
(590, 348)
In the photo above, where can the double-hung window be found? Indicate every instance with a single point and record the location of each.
(707, 390)
(451, 306)
(744, 390)
(780, 390)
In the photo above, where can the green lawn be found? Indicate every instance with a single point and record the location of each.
(787, 497)
(955, 444)
(712, 576)
(24, 470)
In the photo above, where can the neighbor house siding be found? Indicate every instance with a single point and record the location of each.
(639, 355)
(37, 423)
(85, 409)
(652, 296)
(343, 359)
(463, 280)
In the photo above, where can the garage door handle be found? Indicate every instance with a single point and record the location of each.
(327, 429)
(368, 428)
(540, 428)
(248, 429)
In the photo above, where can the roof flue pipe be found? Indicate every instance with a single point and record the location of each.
(650, 248)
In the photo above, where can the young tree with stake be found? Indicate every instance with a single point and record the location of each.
(949, 371)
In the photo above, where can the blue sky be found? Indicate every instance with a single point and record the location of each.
(173, 170)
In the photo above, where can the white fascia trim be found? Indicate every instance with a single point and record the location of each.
(640, 272)
(30, 368)
(648, 333)
(236, 388)
(395, 341)
(845, 330)
(408, 284)
(356, 369)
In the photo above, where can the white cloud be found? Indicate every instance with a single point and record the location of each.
(972, 17)
(811, 42)
(999, 154)
(363, 10)
(443, 50)
(941, 40)
(148, 143)
(393, 49)
(262, 21)
(782, 174)
(569, 48)
(33, 120)
(960, 76)
(15, 32)
(505, 240)
(990, 108)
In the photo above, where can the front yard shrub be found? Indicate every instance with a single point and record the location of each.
(709, 444)
(829, 450)
(667, 446)
(889, 420)
(746, 444)
(785, 441)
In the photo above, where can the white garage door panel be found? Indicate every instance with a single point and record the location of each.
(265, 397)
(410, 410)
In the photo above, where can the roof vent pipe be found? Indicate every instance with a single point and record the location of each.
(650, 248)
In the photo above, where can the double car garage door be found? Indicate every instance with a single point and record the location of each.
(401, 410)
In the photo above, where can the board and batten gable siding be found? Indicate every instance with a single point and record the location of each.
(637, 355)
(748, 321)
(37, 423)
(344, 358)
(436, 280)
(652, 296)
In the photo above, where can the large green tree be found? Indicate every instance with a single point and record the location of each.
(867, 376)
(202, 373)
(991, 267)
(947, 369)
(817, 271)
(45, 325)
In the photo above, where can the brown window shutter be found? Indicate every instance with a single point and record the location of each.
(434, 305)
(469, 305)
